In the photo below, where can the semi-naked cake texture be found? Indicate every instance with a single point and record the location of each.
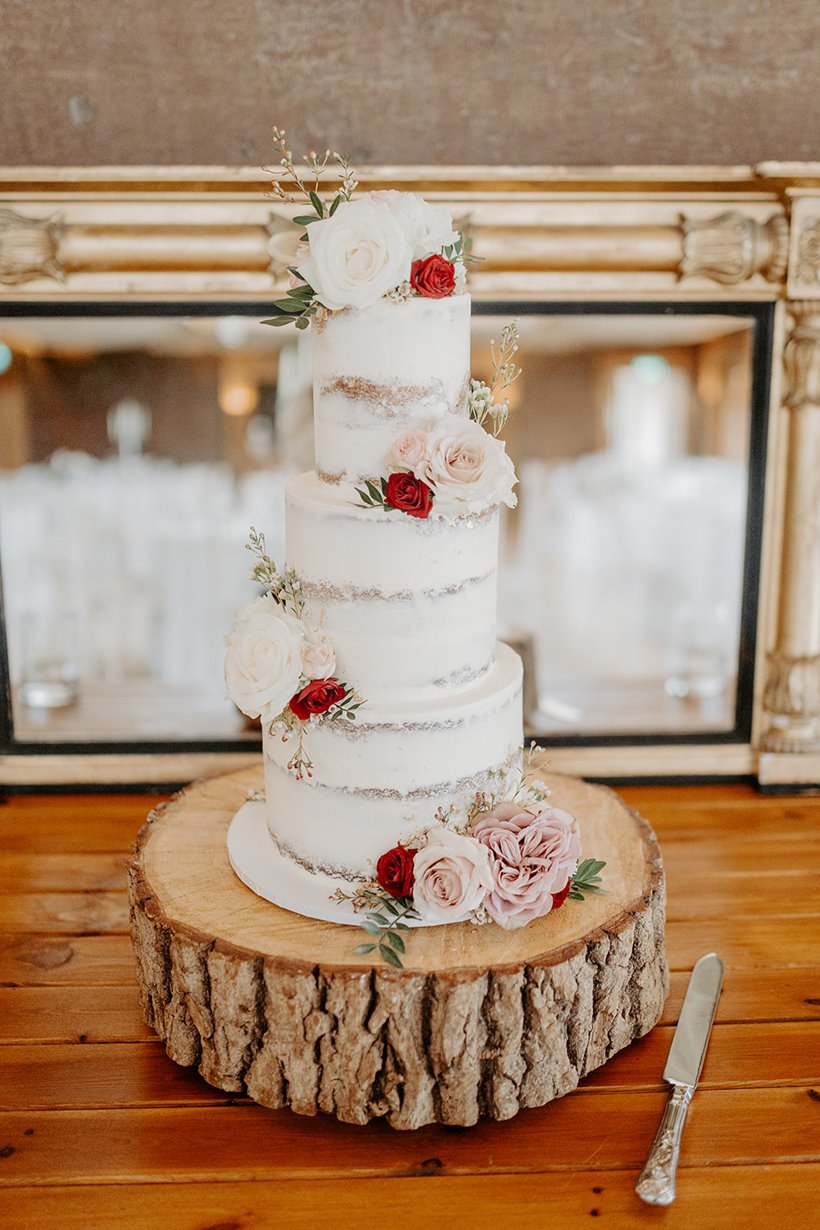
(409, 605)
(392, 718)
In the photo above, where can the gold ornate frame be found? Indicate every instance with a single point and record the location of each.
(649, 234)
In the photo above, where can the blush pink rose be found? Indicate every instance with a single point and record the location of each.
(533, 853)
(409, 453)
(467, 468)
(318, 661)
(452, 876)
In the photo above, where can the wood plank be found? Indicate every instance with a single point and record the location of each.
(75, 823)
(64, 913)
(760, 991)
(789, 897)
(714, 1198)
(745, 943)
(63, 1014)
(41, 872)
(742, 894)
(115, 1074)
(599, 1130)
(710, 853)
(100, 1075)
(42, 960)
(756, 995)
(52, 1014)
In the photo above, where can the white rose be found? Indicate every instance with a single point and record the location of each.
(357, 256)
(409, 453)
(429, 227)
(319, 660)
(263, 661)
(452, 876)
(468, 468)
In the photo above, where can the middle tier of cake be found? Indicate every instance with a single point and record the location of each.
(418, 622)
(393, 772)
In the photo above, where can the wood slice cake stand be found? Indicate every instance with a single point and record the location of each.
(481, 1021)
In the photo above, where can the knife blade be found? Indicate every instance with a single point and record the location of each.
(656, 1184)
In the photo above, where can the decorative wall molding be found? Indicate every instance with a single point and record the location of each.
(29, 248)
(732, 247)
(617, 234)
(807, 267)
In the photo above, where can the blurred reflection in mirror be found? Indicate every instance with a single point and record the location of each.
(137, 451)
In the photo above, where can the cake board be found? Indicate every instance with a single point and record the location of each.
(481, 1021)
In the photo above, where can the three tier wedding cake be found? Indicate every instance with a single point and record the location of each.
(395, 790)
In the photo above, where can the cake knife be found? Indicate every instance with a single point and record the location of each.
(656, 1184)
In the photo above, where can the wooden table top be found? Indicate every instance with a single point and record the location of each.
(101, 1129)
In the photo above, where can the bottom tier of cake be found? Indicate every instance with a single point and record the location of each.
(387, 776)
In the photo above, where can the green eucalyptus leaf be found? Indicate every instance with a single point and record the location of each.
(391, 957)
(316, 202)
(371, 928)
(363, 949)
(336, 203)
(302, 322)
(304, 219)
(284, 319)
(396, 941)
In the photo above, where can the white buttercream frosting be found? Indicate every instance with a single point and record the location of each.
(382, 778)
(409, 605)
(384, 371)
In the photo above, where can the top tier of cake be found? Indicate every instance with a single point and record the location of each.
(396, 367)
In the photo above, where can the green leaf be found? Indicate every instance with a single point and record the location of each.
(316, 202)
(391, 957)
(400, 926)
(293, 307)
(380, 919)
(371, 928)
(304, 219)
(284, 319)
(302, 322)
(395, 940)
(363, 949)
(364, 497)
(391, 906)
(336, 203)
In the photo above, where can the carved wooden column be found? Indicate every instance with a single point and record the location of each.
(792, 695)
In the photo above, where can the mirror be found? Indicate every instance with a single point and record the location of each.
(138, 445)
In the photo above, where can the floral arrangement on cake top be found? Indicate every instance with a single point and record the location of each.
(354, 252)
(513, 860)
(280, 668)
(456, 467)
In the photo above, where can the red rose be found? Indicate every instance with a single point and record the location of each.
(316, 697)
(560, 898)
(434, 277)
(394, 871)
(409, 494)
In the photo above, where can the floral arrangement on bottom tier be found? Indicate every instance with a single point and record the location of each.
(514, 860)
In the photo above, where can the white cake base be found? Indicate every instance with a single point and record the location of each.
(275, 878)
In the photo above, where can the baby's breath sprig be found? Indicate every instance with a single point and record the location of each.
(482, 400)
(290, 186)
(285, 588)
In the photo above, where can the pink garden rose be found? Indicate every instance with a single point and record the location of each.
(409, 452)
(467, 468)
(452, 876)
(533, 852)
(318, 661)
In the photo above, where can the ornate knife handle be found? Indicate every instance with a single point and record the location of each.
(656, 1184)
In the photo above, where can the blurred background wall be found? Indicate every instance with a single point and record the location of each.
(410, 81)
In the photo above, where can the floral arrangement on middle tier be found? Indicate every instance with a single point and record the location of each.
(515, 858)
